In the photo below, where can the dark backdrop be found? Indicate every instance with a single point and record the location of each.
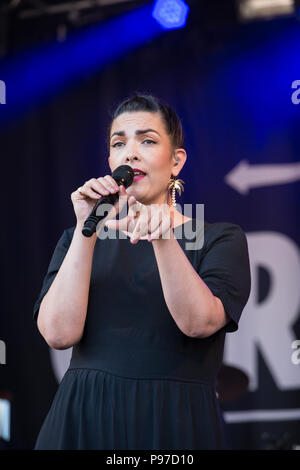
(233, 92)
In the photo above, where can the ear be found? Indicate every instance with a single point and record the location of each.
(180, 157)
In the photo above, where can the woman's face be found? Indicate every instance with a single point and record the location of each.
(139, 139)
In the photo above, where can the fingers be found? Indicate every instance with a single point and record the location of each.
(142, 218)
(96, 188)
(109, 183)
(119, 204)
(123, 198)
(162, 222)
(127, 223)
(155, 221)
(121, 224)
(163, 231)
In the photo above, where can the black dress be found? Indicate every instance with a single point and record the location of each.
(135, 381)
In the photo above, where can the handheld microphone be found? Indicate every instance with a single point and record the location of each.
(124, 175)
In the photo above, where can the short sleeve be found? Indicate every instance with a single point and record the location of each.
(225, 269)
(55, 263)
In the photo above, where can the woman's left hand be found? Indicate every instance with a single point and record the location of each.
(155, 220)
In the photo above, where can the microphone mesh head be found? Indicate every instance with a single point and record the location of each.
(124, 175)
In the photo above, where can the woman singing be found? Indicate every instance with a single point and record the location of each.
(146, 316)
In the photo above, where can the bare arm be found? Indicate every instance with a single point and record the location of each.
(63, 310)
(194, 308)
(196, 311)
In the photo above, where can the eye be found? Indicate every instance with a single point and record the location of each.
(116, 144)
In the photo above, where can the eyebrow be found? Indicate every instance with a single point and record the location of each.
(137, 132)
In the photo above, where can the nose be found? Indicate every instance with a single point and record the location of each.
(130, 158)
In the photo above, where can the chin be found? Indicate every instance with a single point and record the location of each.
(136, 191)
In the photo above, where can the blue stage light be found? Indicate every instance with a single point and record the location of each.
(170, 14)
(34, 76)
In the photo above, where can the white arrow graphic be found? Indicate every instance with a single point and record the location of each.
(244, 176)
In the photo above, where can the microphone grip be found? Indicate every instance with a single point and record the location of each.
(91, 222)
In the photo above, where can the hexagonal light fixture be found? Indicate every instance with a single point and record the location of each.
(170, 14)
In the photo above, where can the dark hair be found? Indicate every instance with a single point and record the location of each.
(142, 102)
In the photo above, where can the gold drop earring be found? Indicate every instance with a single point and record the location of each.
(175, 185)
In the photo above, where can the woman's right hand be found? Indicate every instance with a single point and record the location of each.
(92, 190)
